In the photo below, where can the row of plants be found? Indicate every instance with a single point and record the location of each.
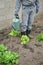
(8, 57)
(25, 39)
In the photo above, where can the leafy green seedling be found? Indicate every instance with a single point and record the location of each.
(40, 37)
(15, 58)
(2, 48)
(1, 57)
(8, 57)
(14, 33)
(24, 39)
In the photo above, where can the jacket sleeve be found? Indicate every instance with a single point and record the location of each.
(37, 4)
(17, 6)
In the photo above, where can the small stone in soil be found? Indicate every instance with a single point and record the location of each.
(31, 49)
(38, 45)
(41, 63)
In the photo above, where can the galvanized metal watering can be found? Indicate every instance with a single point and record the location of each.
(16, 24)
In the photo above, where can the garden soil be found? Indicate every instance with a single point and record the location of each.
(33, 53)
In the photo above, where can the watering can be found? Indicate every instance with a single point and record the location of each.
(16, 24)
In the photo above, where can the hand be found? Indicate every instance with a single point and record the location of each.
(37, 10)
(16, 15)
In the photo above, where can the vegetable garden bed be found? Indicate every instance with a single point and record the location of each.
(32, 55)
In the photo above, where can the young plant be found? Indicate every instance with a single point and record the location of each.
(15, 58)
(3, 48)
(40, 37)
(8, 57)
(24, 39)
(1, 57)
(14, 33)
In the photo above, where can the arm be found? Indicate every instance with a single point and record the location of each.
(17, 6)
(37, 6)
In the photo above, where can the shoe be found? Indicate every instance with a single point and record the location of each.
(23, 33)
(28, 34)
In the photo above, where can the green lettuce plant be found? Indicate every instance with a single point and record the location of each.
(14, 33)
(8, 57)
(40, 37)
(3, 48)
(24, 39)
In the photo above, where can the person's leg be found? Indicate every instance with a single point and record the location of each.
(31, 19)
(24, 19)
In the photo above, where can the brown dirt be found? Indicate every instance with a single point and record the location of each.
(33, 53)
